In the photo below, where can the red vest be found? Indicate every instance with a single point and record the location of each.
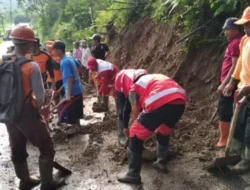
(106, 74)
(155, 90)
(124, 81)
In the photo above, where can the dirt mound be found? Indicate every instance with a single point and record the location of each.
(151, 46)
(95, 132)
(98, 107)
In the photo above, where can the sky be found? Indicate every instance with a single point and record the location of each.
(6, 3)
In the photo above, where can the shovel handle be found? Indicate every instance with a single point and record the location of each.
(233, 124)
(126, 143)
(58, 105)
(237, 101)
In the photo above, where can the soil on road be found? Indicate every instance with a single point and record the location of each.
(95, 159)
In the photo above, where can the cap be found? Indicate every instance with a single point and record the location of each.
(96, 37)
(229, 24)
(92, 63)
(59, 45)
(245, 17)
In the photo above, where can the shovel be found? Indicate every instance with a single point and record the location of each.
(62, 169)
(234, 159)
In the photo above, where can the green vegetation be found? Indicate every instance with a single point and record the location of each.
(77, 19)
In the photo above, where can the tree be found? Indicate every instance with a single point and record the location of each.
(21, 18)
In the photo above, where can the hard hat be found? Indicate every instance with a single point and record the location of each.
(49, 43)
(138, 73)
(245, 17)
(92, 63)
(229, 24)
(96, 37)
(22, 33)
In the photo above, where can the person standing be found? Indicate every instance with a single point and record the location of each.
(77, 55)
(99, 50)
(77, 52)
(57, 70)
(72, 111)
(43, 60)
(225, 106)
(241, 76)
(31, 126)
(86, 54)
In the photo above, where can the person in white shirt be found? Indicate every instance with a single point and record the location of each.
(86, 54)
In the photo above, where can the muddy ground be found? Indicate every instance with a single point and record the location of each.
(96, 159)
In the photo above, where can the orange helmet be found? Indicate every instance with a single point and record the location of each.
(245, 17)
(23, 33)
(49, 43)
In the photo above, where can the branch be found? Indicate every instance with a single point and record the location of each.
(122, 8)
(126, 2)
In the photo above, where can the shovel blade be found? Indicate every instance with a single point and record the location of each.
(62, 169)
(227, 160)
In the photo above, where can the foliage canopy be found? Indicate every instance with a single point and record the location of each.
(78, 19)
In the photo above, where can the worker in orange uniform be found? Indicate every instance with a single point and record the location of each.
(106, 73)
(58, 75)
(241, 76)
(30, 126)
(57, 69)
(163, 103)
(43, 60)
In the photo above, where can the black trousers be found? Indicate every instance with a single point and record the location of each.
(124, 108)
(225, 108)
(242, 131)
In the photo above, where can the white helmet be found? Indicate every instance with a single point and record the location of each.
(138, 73)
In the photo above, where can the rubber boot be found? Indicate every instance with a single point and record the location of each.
(224, 128)
(134, 169)
(117, 106)
(236, 148)
(99, 99)
(26, 181)
(244, 165)
(46, 172)
(105, 100)
(161, 162)
(122, 138)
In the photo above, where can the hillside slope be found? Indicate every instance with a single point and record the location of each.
(151, 46)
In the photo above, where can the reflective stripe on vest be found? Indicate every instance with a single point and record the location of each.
(163, 93)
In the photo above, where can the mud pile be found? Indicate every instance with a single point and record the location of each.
(151, 46)
(95, 132)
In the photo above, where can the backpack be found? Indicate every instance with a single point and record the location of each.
(11, 90)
